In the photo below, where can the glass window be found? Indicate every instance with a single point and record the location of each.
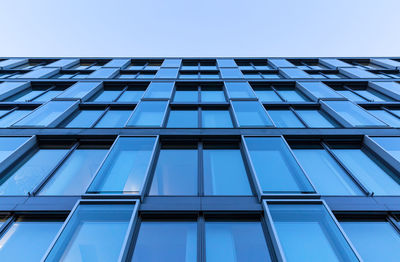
(95, 232)
(82, 119)
(9, 145)
(266, 94)
(228, 62)
(386, 117)
(319, 90)
(212, 95)
(284, 118)
(292, 95)
(216, 119)
(47, 96)
(351, 96)
(159, 90)
(239, 241)
(80, 90)
(373, 95)
(294, 73)
(46, 114)
(114, 118)
(239, 90)
(148, 114)
(275, 167)
(167, 73)
(107, 95)
(317, 118)
(270, 75)
(176, 172)
(390, 144)
(375, 240)
(223, 179)
(131, 96)
(126, 166)
(231, 73)
(30, 171)
(186, 95)
(371, 172)
(251, 114)
(308, 233)
(183, 119)
(328, 177)
(166, 241)
(26, 95)
(13, 117)
(103, 73)
(75, 174)
(28, 239)
(353, 114)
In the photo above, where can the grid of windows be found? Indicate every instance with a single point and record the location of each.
(195, 159)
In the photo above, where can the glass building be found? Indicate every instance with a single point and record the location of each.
(200, 159)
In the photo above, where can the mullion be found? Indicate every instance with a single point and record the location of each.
(277, 93)
(120, 94)
(100, 117)
(298, 117)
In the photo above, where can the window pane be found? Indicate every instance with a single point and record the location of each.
(319, 90)
(46, 114)
(166, 241)
(75, 174)
(28, 239)
(48, 96)
(374, 240)
(183, 118)
(292, 95)
(132, 96)
(371, 172)
(186, 95)
(26, 95)
(106, 96)
(159, 90)
(216, 119)
(308, 233)
(267, 95)
(148, 114)
(353, 114)
(29, 172)
(167, 73)
(231, 73)
(9, 145)
(390, 144)
(275, 167)
(386, 117)
(239, 90)
(328, 177)
(316, 118)
(114, 118)
(373, 95)
(94, 233)
(13, 117)
(176, 173)
(251, 114)
(242, 241)
(212, 96)
(125, 168)
(351, 96)
(284, 118)
(83, 118)
(223, 179)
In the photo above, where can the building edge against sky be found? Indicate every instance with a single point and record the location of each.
(200, 159)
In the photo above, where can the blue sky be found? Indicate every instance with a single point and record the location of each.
(200, 28)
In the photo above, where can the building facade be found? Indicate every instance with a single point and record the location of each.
(200, 159)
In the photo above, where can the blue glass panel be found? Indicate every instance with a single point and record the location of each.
(328, 177)
(308, 233)
(242, 241)
(183, 119)
(292, 95)
(106, 96)
(216, 119)
(9, 145)
(125, 168)
(26, 95)
(212, 96)
(374, 240)
(166, 241)
(319, 90)
(167, 73)
(176, 173)
(94, 233)
(114, 118)
(13, 117)
(231, 73)
(29, 172)
(172, 62)
(190, 95)
(28, 239)
(239, 90)
(275, 167)
(317, 118)
(223, 179)
(371, 172)
(132, 96)
(284, 118)
(159, 90)
(267, 95)
(373, 95)
(390, 144)
(75, 174)
(149, 114)
(386, 117)
(250, 114)
(47, 96)
(83, 118)
(80, 90)
(351, 96)
(227, 62)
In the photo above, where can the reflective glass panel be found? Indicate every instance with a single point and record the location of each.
(239, 90)
(390, 144)
(132, 96)
(386, 117)
(216, 119)
(82, 119)
(284, 118)
(114, 118)
(148, 114)
(106, 95)
(250, 114)
(183, 119)
(9, 145)
(292, 95)
(13, 117)
(159, 90)
(267, 95)
(317, 118)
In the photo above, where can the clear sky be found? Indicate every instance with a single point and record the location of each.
(200, 28)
